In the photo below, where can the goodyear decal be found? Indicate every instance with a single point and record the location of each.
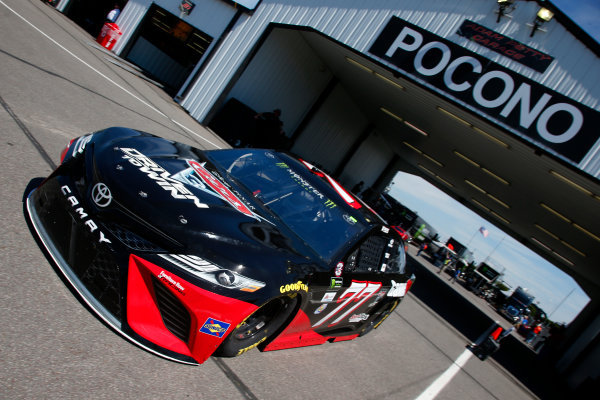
(294, 287)
(214, 327)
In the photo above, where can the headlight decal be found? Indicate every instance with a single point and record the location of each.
(212, 273)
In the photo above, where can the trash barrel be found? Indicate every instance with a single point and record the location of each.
(109, 35)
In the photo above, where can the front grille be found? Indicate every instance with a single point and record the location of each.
(175, 316)
(76, 235)
(132, 240)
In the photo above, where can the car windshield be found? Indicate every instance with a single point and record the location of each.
(299, 198)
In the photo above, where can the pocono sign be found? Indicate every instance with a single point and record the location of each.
(542, 115)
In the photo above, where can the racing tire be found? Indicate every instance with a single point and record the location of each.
(257, 327)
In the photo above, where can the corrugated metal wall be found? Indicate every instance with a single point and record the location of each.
(369, 161)
(357, 23)
(332, 131)
(210, 16)
(284, 74)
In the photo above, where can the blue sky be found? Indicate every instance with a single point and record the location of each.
(584, 12)
(557, 293)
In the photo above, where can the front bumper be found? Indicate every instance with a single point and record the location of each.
(149, 305)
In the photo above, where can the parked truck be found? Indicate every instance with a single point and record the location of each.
(516, 304)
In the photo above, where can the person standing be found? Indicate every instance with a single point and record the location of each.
(422, 248)
(114, 13)
(455, 275)
(533, 333)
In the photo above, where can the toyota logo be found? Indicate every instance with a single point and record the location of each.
(101, 195)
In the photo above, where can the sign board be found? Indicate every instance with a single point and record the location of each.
(186, 7)
(545, 117)
(506, 46)
(489, 273)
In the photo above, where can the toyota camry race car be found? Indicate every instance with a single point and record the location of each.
(190, 253)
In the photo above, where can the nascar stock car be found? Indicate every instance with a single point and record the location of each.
(190, 253)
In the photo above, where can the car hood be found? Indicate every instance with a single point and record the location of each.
(173, 193)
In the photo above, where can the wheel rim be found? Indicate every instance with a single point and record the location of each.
(258, 321)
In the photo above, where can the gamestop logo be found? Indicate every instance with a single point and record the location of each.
(533, 110)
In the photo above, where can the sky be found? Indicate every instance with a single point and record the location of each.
(555, 292)
(584, 12)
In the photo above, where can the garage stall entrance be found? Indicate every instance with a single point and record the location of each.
(167, 48)
(321, 118)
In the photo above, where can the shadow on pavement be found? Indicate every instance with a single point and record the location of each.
(533, 370)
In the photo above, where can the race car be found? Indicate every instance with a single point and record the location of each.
(191, 253)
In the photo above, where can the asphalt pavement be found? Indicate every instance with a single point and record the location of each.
(56, 84)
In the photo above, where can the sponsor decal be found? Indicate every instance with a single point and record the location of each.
(79, 145)
(162, 177)
(358, 317)
(242, 351)
(186, 7)
(293, 287)
(349, 219)
(320, 309)
(381, 294)
(328, 297)
(189, 177)
(214, 327)
(397, 290)
(385, 229)
(304, 184)
(353, 297)
(101, 195)
(339, 268)
(529, 109)
(83, 216)
(163, 276)
(506, 46)
(336, 283)
(347, 197)
(220, 188)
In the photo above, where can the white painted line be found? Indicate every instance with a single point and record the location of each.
(436, 386)
(104, 76)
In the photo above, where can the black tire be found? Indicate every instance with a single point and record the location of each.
(258, 326)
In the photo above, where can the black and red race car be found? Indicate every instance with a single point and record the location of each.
(190, 253)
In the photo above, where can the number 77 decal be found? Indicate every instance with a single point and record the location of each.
(359, 292)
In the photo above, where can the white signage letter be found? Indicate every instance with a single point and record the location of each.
(509, 86)
(440, 65)
(523, 95)
(460, 87)
(400, 43)
(576, 124)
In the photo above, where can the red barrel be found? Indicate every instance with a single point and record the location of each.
(109, 35)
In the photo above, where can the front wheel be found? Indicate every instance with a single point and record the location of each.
(257, 327)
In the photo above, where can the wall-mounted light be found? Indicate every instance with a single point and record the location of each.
(543, 15)
(505, 7)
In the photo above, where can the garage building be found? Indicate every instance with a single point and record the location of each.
(496, 102)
